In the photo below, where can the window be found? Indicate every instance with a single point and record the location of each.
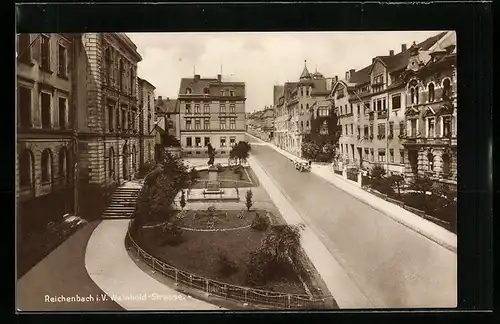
(416, 95)
(401, 129)
(231, 93)
(62, 113)
(222, 108)
(46, 110)
(24, 104)
(431, 127)
(446, 89)
(324, 128)
(62, 165)
(372, 155)
(307, 123)
(367, 107)
(346, 131)
(358, 110)
(223, 123)
(232, 108)
(206, 108)
(367, 154)
(149, 122)
(46, 166)
(401, 156)
(24, 48)
(384, 108)
(381, 131)
(25, 169)
(111, 162)
(430, 159)
(197, 108)
(188, 108)
(132, 122)
(45, 53)
(110, 117)
(197, 141)
(206, 90)
(345, 110)
(122, 72)
(371, 130)
(233, 123)
(132, 81)
(366, 132)
(391, 129)
(188, 90)
(222, 142)
(206, 123)
(381, 155)
(431, 92)
(379, 105)
(352, 129)
(207, 140)
(446, 126)
(188, 124)
(189, 142)
(301, 92)
(391, 155)
(378, 79)
(307, 91)
(222, 93)
(232, 141)
(109, 65)
(413, 124)
(197, 123)
(359, 131)
(396, 101)
(62, 68)
(412, 95)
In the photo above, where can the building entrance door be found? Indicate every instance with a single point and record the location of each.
(125, 163)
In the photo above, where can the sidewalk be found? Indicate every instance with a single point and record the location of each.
(341, 287)
(422, 226)
(112, 269)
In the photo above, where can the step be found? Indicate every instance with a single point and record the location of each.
(115, 217)
(122, 203)
(117, 214)
(120, 210)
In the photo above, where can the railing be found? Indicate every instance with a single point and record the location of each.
(223, 290)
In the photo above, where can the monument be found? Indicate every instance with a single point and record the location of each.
(213, 185)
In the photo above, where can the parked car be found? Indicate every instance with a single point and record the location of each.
(302, 166)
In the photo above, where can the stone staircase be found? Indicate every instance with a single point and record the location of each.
(122, 203)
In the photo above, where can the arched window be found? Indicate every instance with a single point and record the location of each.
(446, 89)
(431, 92)
(26, 169)
(412, 95)
(430, 158)
(188, 91)
(446, 164)
(63, 175)
(46, 166)
(111, 163)
(416, 95)
(122, 73)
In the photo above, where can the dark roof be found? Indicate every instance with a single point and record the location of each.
(198, 86)
(305, 73)
(169, 106)
(319, 87)
(361, 76)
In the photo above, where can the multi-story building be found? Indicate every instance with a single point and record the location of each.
(370, 104)
(294, 114)
(167, 126)
(46, 114)
(108, 135)
(211, 111)
(146, 120)
(430, 140)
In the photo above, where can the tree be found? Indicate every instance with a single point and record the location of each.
(325, 132)
(249, 199)
(183, 200)
(377, 172)
(422, 184)
(161, 185)
(310, 150)
(398, 180)
(240, 152)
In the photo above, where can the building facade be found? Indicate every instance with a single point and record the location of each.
(371, 105)
(108, 127)
(430, 140)
(211, 111)
(45, 112)
(147, 119)
(293, 111)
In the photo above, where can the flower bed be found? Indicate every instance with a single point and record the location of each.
(228, 177)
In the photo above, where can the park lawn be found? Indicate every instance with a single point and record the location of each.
(223, 215)
(199, 254)
(229, 178)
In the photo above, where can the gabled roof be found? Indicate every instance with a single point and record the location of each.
(362, 76)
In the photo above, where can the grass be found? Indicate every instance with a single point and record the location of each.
(199, 253)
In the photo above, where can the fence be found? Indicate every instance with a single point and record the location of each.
(220, 289)
(202, 184)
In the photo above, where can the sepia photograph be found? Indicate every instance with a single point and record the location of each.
(223, 171)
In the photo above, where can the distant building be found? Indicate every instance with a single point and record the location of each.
(211, 110)
(146, 121)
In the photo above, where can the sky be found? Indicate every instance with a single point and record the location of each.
(259, 59)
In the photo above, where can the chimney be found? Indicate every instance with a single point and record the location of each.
(373, 59)
(351, 72)
(159, 98)
(336, 78)
(219, 77)
(391, 53)
(403, 47)
(196, 77)
(347, 76)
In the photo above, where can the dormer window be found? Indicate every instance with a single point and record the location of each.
(188, 91)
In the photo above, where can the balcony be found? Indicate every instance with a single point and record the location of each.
(436, 141)
(383, 114)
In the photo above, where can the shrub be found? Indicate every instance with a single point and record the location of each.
(249, 199)
(257, 269)
(377, 171)
(226, 266)
(260, 222)
(145, 168)
(170, 234)
(383, 185)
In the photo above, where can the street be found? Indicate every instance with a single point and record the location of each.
(391, 264)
